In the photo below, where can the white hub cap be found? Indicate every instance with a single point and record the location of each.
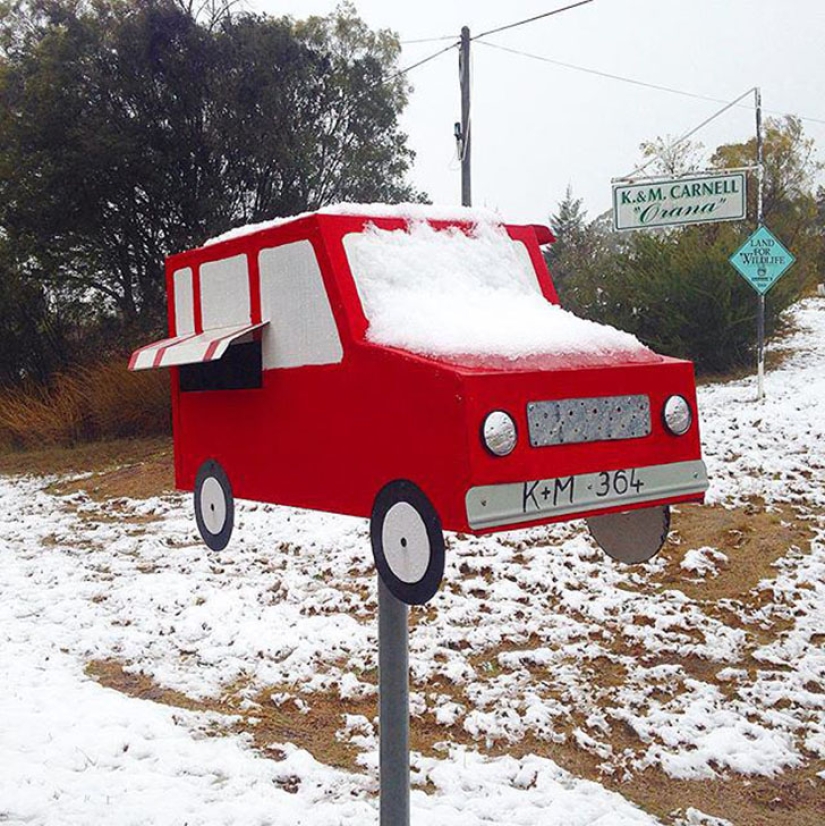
(406, 544)
(213, 505)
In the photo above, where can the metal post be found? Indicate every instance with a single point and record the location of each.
(466, 129)
(760, 347)
(760, 181)
(393, 709)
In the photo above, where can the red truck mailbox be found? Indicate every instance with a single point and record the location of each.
(415, 367)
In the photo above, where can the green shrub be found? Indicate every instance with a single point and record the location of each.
(679, 294)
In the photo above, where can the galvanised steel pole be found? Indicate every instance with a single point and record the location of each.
(760, 182)
(393, 709)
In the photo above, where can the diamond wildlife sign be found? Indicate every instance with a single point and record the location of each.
(762, 260)
(677, 201)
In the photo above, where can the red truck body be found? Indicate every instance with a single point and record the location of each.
(327, 425)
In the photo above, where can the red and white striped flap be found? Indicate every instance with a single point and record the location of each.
(192, 348)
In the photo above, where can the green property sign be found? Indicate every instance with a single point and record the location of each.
(762, 260)
(697, 199)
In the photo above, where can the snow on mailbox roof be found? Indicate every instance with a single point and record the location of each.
(408, 212)
(445, 293)
(449, 294)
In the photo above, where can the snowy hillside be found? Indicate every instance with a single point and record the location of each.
(229, 671)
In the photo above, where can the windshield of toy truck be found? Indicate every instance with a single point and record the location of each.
(446, 293)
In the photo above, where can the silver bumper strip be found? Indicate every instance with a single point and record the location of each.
(490, 506)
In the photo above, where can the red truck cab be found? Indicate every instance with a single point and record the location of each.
(414, 367)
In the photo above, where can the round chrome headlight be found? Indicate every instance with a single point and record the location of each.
(499, 433)
(677, 415)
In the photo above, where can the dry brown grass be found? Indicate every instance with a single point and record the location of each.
(132, 468)
(103, 401)
(112, 674)
(792, 799)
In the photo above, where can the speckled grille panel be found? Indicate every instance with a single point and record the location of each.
(572, 421)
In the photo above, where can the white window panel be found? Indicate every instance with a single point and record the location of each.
(294, 300)
(184, 301)
(225, 292)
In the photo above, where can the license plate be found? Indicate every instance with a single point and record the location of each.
(569, 491)
(582, 494)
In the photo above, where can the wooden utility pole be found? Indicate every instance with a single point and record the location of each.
(465, 134)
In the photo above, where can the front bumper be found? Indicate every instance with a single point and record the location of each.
(492, 506)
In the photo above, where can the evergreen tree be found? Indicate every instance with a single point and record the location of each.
(583, 256)
(568, 254)
(131, 130)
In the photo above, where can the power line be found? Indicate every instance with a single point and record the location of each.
(532, 19)
(598, 72)
(623, 79)
(428, 39)
(500, 28)
(690, 133)
(421, 62)
(456, 42)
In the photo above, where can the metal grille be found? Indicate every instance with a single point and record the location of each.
(569, 421)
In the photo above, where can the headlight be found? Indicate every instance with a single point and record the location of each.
(499, 433)
(677, 415)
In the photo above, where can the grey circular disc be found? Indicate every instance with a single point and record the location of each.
(633, 536)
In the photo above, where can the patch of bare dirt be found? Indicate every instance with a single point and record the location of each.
(752, 538)
(96, 457)
(139, 471)
(309, 721)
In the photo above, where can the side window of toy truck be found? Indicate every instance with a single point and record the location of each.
(301, 329)
(225, 302)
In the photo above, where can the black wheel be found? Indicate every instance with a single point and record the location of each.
(407, 542)
(633, 536)
(214, 505)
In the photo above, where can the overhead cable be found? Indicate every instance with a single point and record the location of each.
(422, 62)
(689, 134)
(532, 19)
(428, 39)
(623, 79)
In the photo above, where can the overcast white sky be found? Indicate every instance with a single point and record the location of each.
(538, 127)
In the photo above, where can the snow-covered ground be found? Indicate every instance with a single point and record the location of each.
(536, 638)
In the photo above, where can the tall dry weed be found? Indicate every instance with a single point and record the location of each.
(103, 401)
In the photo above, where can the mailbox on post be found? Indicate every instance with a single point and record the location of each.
(414, 366)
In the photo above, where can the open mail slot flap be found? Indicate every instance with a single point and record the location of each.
(192, 348)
